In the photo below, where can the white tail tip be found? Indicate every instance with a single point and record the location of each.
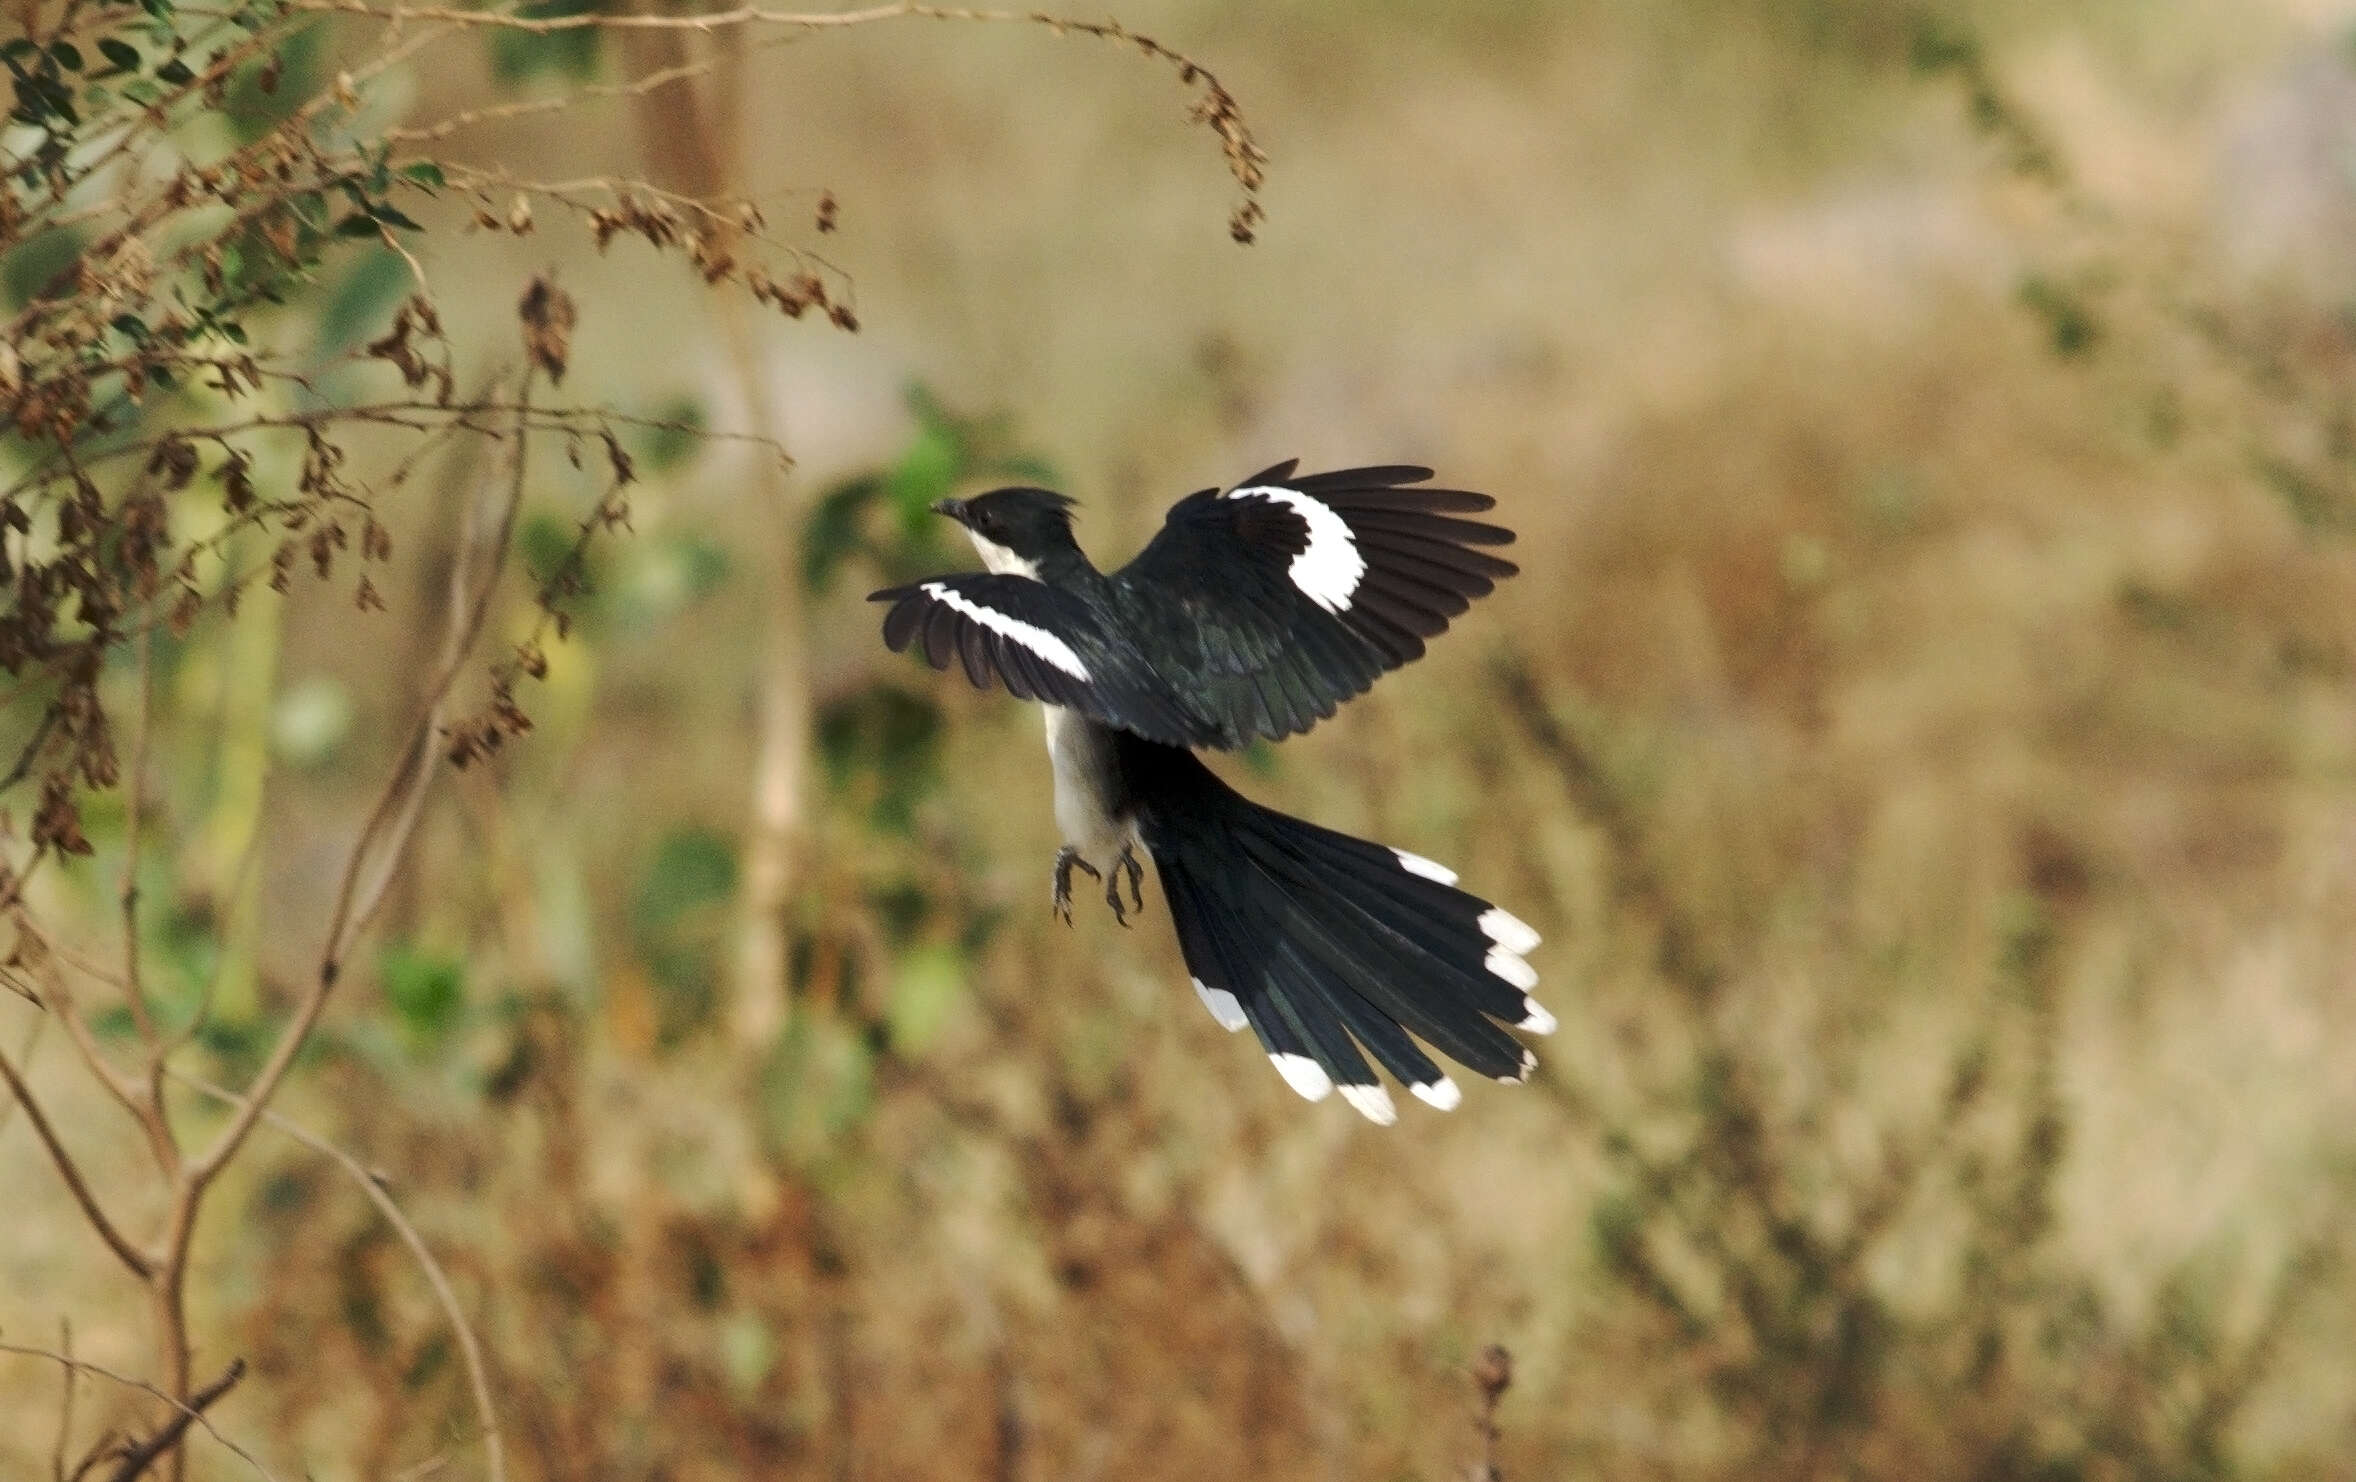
(1440, 1094)
(1304, 1075)
(1372, 1103)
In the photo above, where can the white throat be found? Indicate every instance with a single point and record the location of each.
(998, 559)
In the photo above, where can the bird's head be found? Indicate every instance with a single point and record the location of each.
(1014, 529)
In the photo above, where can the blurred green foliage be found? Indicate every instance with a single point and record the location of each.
(679, 921)
(426, 990)
(885, 516)
(572, 55)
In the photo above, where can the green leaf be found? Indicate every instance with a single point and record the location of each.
(748, 1353)
(882, 744)
(927, 984)
(28, 268)
(301, 69)
(2070, 323)
(175, 72)
(661, 580)
(544, 543)
(666, 448)
(518, 56)
(119, 52)
(817, 1084)
(359, 224)
(679, 925)
(925, 473)
(394, 216)
(424, 173)
(66, 55)
(693, 866)
(426, 990)
(835, 530)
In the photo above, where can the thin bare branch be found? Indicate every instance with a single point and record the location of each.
(71, 1375)
(32, 749)
(166, 1440)
(189, 1412)
(137, 1261)
(154, 1117)
(469, 1348)
(652, 82)
(386, 831)
(60, 1001)
(1215, 107)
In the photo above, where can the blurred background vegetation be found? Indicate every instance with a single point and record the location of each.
(1924, 730)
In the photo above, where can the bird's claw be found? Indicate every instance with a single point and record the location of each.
(1068, 859)
(1125, 863)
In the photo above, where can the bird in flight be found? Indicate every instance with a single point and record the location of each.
(1251, 615)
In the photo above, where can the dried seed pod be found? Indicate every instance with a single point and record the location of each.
(548, 315)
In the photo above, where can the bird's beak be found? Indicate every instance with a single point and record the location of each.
(953, 508)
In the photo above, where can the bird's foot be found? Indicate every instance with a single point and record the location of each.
(1128, 861)
(1068, 859)
(1127, 864)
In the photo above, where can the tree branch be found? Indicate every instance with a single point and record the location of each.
(143, 1455)
(130, 1255)
(478, 1376)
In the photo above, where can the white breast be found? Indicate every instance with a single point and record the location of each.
(1081, 755)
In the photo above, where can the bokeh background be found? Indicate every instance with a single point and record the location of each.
(1924, 731)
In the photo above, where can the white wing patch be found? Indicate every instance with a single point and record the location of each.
(1030, 635)
(1416, 864)
(1224, 1006)
(1511, 968)
(1330, 567)
(1508, 931)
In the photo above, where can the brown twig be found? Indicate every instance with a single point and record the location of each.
(130, 1255)
(60, 1001)
(166, 1440)
(1215, 107)
(187, 1413)
(154, 1118)
(32, 749)
(71, 1376)
(381, 841)
(1493, 1375)
(469, 1348)
(386, 831)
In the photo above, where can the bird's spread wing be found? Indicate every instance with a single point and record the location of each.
(1273, 602)
(1043, 644)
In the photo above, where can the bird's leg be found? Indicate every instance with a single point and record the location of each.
(1066, 860)
(1126, 860)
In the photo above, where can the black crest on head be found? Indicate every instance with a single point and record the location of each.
(1024, 519)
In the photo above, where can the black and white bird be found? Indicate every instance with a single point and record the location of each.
(1252, 614)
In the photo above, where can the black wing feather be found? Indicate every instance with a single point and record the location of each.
(1046, 645)
(1262, 652)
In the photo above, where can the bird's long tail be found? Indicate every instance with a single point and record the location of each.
(1332, 948)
